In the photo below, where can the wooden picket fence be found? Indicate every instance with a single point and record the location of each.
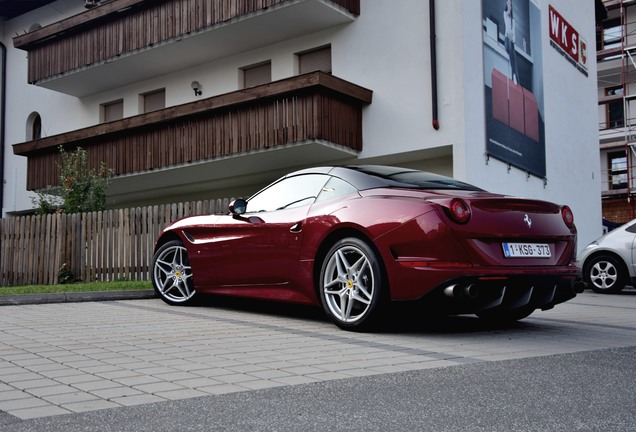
(98, 246)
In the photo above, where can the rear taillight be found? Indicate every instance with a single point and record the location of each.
(459, 210)
(568, 216)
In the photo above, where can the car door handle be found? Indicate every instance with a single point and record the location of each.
(296, 228)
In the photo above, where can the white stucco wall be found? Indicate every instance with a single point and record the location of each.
(571, 126)
(571, 122)
(23, 99)
(386, 50)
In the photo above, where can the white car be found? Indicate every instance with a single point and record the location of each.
(608, 262)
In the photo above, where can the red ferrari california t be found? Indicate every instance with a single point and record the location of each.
(354, 238)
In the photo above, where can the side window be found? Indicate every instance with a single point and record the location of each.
(289, 193)
(34, 127)
(334, 188)
(631, 228)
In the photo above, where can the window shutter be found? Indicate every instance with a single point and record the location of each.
(113, 111)
(257, 75)
(315, 60)
(154, 100)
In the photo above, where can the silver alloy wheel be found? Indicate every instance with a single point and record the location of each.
(348, 284)
(603, 274)
(172, 275)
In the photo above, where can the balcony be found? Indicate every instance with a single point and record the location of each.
(308, 119)
(126, 41)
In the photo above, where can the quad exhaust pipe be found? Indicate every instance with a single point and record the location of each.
(470, 291)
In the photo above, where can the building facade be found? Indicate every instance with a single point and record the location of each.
(616, 56)
(195, 99)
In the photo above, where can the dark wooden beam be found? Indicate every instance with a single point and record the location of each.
(58, 28)
(355, 93)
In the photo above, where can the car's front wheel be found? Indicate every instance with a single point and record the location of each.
(352, 287)
(605, 274)
(172, 275)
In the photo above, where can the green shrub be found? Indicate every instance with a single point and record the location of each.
(82, 189)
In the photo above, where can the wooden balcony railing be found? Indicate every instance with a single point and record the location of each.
(123, 27)
(315, 106)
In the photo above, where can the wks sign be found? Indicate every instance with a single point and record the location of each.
(567, 40)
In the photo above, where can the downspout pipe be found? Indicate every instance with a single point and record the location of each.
(432, 26)
(3, 105)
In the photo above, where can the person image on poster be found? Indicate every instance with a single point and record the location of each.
(509, 24)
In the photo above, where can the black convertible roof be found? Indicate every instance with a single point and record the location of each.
(377, 176)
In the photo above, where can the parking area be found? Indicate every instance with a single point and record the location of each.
(78, 357)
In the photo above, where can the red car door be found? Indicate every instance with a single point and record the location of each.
(258, 249)
(262, 247)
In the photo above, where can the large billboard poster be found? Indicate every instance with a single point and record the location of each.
(513, 84)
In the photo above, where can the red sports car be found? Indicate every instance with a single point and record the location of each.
(354, 238)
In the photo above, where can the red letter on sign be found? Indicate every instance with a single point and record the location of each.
(563, 34)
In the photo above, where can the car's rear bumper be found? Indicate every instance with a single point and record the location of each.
(477, 289)
(474, 294)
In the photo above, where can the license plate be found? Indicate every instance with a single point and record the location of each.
(526, 250)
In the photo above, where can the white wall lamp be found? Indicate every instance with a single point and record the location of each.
(197, 88)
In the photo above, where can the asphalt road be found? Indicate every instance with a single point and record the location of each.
(588, 387)
(589, 391)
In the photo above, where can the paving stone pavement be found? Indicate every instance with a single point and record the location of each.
(78, 357)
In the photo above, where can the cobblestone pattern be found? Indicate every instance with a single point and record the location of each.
(77, 357)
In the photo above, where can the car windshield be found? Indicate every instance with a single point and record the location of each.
(402, 177)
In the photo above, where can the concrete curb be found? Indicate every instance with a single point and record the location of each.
(72, 297)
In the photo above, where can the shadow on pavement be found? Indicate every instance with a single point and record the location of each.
(400, 317)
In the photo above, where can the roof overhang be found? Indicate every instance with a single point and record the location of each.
(268, 26)
(235, 172)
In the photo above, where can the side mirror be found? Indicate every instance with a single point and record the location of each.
(238, 206)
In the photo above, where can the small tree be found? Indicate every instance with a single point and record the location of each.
(82, 189)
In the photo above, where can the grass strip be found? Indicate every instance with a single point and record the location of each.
(76, 287)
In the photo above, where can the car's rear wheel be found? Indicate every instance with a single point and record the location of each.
(172, 275)
(605, 274)
(352, 287)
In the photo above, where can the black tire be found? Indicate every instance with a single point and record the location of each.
(352, 286)
(605, 274)
(505, 316)
(172, 275)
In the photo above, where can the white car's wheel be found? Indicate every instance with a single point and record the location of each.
(605, 274)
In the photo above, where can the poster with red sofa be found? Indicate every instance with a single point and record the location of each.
(513, 84)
